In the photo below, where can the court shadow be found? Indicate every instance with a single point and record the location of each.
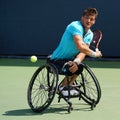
(55, 108)
(91, 62)
(63, 108)
(20, 62)
(19, 112)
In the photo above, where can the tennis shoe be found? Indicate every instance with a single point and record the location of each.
(72, 92)
(60, 88)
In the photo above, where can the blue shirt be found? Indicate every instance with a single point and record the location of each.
(67, 48)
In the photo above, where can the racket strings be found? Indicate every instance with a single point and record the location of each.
(97, 36)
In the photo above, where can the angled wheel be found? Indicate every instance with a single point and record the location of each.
(89, 86)
(42, 87)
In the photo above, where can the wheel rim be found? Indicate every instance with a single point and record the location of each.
(42, 92)
(90, 89)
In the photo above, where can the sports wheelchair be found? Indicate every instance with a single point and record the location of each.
(44, 85)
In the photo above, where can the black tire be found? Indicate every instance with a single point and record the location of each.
(42, 87)
(89, 86)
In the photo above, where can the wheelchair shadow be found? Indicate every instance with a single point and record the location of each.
(54, 108)
(63, 108)
(19, 112)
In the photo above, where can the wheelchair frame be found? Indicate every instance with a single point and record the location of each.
(43, 87)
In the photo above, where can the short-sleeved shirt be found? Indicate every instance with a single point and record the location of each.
(67, 48)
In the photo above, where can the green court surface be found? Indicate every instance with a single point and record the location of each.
(15, 75)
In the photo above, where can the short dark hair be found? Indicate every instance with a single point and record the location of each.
(90, 11)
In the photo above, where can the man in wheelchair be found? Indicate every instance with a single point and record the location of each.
(73, 48)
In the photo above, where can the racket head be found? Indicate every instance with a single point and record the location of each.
(97, 36)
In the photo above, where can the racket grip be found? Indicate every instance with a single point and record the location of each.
(96, 49)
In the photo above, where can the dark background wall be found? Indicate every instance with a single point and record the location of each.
(35, 26)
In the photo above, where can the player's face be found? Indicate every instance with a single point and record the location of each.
(88, 21)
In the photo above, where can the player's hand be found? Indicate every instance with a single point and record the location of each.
(98, 54)
(73, 66)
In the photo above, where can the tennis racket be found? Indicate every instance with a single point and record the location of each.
(97, 36)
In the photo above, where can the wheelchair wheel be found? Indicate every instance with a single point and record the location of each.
(89, 86)
(42, 87)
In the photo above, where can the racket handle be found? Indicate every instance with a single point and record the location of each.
(96, 49)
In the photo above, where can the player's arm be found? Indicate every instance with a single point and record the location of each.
(81, 56)
(74, 65)
(85, 48)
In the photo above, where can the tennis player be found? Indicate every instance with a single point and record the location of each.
(74, 46)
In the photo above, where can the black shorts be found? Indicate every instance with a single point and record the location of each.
(60, 63)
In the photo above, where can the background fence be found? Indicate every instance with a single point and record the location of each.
(35, 27)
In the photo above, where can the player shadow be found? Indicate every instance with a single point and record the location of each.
(55, 108)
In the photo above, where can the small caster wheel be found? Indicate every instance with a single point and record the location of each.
(59, 99)
(70, 108)
(93, 106)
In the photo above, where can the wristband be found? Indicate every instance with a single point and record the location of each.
(96, 49)
(93, 54)
(77, 60)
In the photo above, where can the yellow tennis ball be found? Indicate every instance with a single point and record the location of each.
(33, 58)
